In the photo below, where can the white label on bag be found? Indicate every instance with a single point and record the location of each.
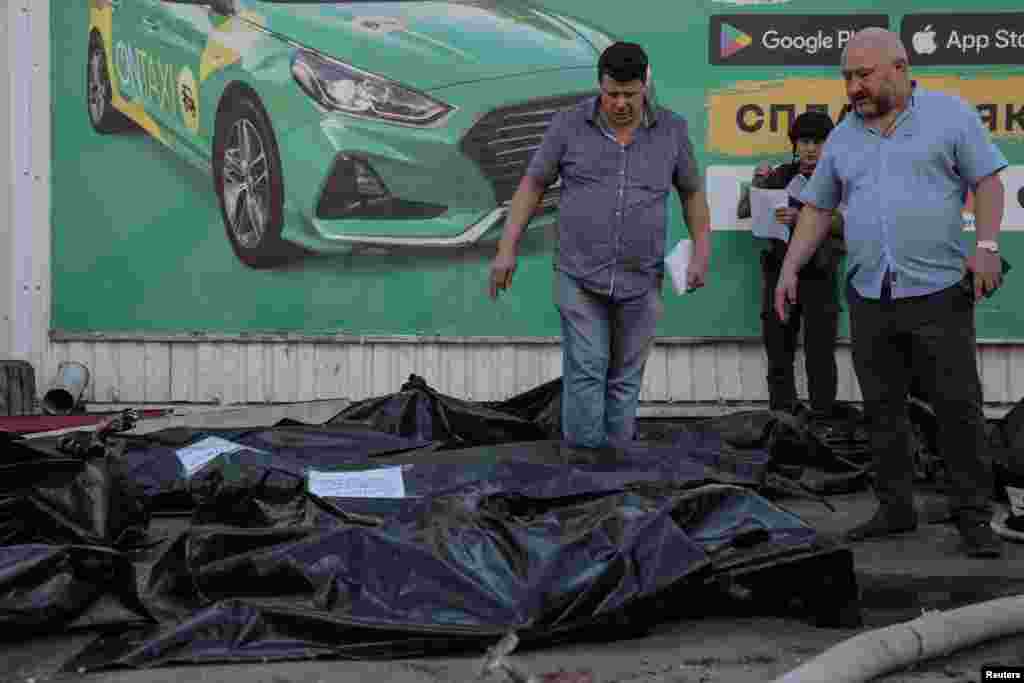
(1016, 497)
(193, 458)
(385, 482)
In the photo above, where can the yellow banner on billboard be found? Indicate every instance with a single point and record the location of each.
(752, 118)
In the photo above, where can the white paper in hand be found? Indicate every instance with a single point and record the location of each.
(762, 208)
(678, 264)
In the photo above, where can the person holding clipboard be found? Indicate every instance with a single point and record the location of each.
(818, 300)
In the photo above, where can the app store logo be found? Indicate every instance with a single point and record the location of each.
(954, 39)
(923, 41)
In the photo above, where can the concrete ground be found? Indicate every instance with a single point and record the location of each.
(898, 579)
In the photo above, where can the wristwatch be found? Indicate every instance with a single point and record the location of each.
(988, 245)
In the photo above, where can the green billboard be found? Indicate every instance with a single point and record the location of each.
(341, 167)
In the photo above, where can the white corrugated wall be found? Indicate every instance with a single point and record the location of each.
(269, 372)
(256, 372)
(6, 166)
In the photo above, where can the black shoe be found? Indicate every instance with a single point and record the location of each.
(794, 408)
(885, 522)
(825, 415)
(978, 538)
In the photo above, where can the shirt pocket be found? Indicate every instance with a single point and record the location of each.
(651, 170)
(858, 172)
(650, 180)
(593, 164)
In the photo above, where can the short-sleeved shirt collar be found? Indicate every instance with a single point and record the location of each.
(901, 120)
(595, 115)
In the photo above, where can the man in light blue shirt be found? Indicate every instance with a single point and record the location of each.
(903, 161)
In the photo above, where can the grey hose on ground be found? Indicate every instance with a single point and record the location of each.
(934, 634)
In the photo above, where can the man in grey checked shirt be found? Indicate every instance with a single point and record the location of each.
(619, 157)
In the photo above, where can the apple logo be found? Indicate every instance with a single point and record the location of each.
(924, 41)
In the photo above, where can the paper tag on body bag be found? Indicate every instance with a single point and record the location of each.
(195, 457)
(386, 482)
(678, 264)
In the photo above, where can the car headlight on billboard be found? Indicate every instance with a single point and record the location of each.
(340, 87)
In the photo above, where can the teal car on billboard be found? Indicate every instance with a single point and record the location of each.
(334, 124)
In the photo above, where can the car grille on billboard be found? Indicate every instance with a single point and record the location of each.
(504, 140)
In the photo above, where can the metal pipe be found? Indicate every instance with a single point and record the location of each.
(67, 388)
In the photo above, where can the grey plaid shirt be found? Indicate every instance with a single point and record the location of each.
(613, 215)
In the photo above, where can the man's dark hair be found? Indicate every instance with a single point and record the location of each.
(623, 62)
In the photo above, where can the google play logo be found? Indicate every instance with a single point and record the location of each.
(733, 40)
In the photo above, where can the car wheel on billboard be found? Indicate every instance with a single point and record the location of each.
(99, 93)
(247, 176)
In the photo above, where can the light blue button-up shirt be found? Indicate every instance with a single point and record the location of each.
(905, 192)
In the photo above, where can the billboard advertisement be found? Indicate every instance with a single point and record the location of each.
(340, 167)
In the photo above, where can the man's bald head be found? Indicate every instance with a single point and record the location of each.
(881, 43)
(877, 73)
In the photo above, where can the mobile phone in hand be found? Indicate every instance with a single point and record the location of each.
(967, 282)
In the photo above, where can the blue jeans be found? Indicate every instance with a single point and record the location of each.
(605, 345)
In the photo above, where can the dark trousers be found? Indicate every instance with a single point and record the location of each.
(818, 308)
(931, 340)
